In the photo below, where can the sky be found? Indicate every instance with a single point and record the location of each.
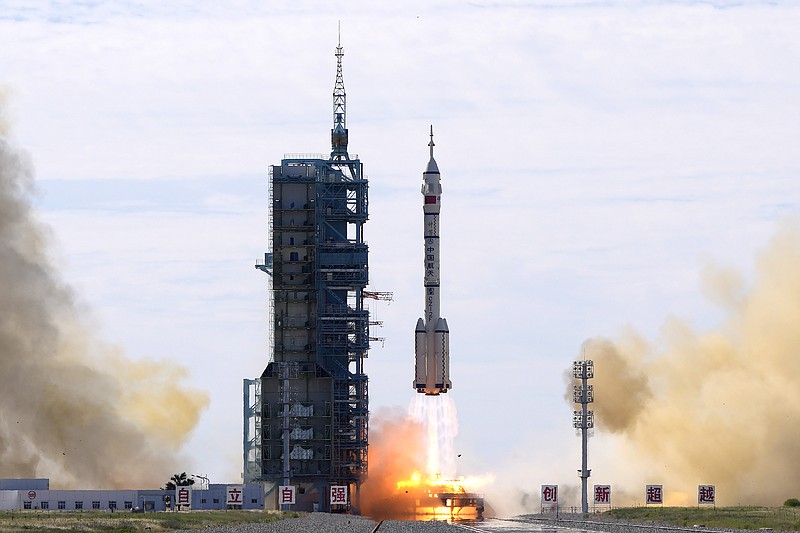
(596, 158)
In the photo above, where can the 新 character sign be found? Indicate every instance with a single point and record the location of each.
(602, 494)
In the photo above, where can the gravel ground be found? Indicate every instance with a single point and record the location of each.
(310, 523)
(396, 526)
(611, 525)
(331, 523)
(338, 523)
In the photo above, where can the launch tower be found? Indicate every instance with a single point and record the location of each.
(306, 417)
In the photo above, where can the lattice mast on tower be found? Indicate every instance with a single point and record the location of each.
(339, 132)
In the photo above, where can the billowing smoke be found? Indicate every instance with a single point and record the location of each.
(72, 408)
(718, 407)
(396, 451)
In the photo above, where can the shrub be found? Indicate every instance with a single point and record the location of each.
(792, 502)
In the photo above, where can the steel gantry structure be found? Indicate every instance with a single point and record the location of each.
(306, 418)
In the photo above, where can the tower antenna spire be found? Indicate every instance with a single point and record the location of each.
(339, 131)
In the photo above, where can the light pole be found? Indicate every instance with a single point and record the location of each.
(583, 394)
(203, 481)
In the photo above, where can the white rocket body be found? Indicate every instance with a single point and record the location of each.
(432, 336)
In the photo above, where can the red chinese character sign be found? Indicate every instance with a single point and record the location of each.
(287, 495)
(602, 494)
(338, 494)
(706, 495)
(233, 495)
(549, 496)
(654, 495)
(183, 497)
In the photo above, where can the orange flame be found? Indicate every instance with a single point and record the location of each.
(460, 485)
(398, 487)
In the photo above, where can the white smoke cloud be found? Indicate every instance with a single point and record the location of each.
(74, 409)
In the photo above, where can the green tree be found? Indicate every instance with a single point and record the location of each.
(792, 502)
(178, 480)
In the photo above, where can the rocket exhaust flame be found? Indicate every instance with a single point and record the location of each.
(412, 466)
(73, 409)
(720, 407)
(439, 420)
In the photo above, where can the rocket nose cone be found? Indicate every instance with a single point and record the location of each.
(432, 166)
(441, 325)
(420, 325)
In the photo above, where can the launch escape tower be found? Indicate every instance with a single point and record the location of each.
(306, 417)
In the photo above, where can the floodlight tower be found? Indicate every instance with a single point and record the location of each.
(583, 394)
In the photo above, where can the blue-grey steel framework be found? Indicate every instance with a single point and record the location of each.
(324, 277)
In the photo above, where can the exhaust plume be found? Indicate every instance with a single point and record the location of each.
(73, 408)
(412, 463)
(396, 451)
(719, 407)
(437, 415)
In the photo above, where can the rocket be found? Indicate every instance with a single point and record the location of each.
(432, 336)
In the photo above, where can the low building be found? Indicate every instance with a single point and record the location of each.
(24, 494)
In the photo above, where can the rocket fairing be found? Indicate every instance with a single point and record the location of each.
(432, 336)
